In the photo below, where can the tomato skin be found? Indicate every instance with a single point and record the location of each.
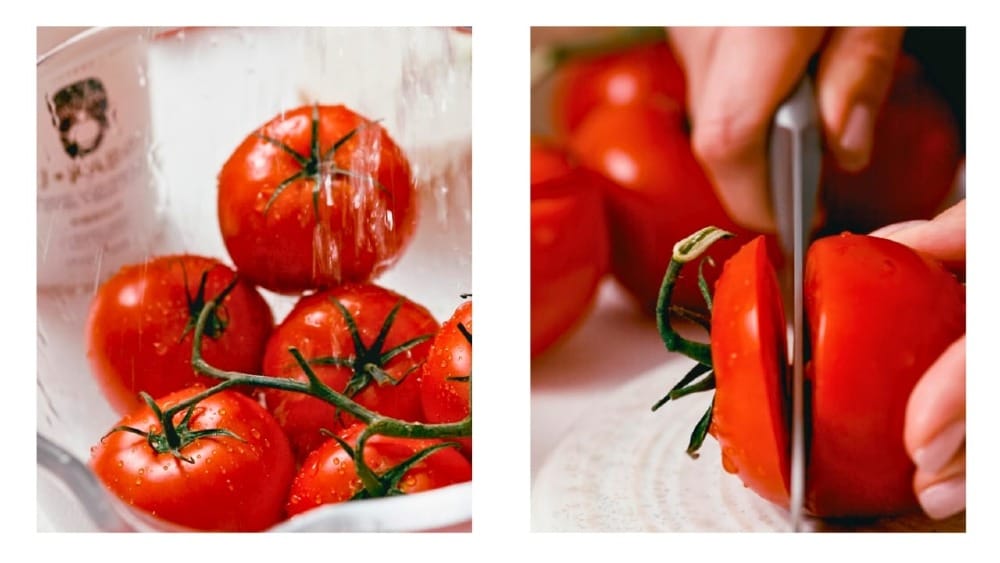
(362, 228)
(659, 194)
(450, 356)
(138, 334)
(569, 247)
(328, 475)
(749, 417)
(233, 485)
(877, 326)
(317, 328)
(637, 74)
(915, 156)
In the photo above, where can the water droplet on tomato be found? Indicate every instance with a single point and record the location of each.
(222, 412)
(255, 433)
(166, 468)
(318, 500)
(888, 268)
(121, 463)
(160, 348)
(142, 470)
(138, 481)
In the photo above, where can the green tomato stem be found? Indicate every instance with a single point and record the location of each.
(377, 423)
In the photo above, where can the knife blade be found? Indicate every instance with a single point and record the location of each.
(795, 160)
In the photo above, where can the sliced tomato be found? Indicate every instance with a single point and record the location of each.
(749, 416)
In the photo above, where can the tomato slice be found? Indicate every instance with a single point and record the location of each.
(749, 416)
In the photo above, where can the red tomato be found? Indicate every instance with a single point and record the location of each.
(569, 246)
(447, 373)
(315, 197)
(879, 314)
(637, 74)
(141, 324)
(229, 484)
(319, 329)
(329, 476)
(659, 195)
(915, 157)
(749, 353)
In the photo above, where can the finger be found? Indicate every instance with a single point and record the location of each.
(934, 428)
(942, 238)
(942, 494)
(855, 71)
(749, 73)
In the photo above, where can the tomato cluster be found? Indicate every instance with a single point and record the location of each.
(622, 114)
(328, 406)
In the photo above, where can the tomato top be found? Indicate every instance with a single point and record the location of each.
(140, 327)
(228, 484)
(317, 196)
(329, 475)
(363, 340)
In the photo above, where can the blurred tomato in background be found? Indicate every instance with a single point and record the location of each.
(569, 243)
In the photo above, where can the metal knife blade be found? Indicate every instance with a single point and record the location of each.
(795, 160)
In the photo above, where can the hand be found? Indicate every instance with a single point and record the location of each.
(737, 77)
(934, 431)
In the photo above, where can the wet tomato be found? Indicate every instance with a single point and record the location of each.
(317, 196)
(237, 482)
(141, 323)
(447, 373)
(329, 475)
(360, 339)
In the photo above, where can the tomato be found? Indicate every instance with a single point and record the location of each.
(141, 323)
(447, 373)
(879, 314)
(329, 475)
(317, 196)
(637, 74)
(569, 246)
(227, 484)
(749, 417)
(916, 152)
(324, 336)
(659, 194)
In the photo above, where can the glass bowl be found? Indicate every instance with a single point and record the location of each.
(159, 111)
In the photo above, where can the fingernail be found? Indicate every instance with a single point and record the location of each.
(856, 137)
(932, 457)
(944, 499)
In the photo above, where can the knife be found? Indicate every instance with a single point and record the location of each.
(795, 160)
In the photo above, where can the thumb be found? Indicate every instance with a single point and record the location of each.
(854, 75)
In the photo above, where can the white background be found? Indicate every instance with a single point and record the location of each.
(501, 284)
